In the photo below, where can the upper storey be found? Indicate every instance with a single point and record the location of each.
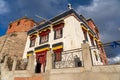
(89, 23)
(21, 25)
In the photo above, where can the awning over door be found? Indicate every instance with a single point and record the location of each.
(42, 48)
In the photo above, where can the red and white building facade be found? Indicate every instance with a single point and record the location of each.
(64, 32)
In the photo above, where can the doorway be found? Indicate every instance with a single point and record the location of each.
(41, 62)
(38, 67)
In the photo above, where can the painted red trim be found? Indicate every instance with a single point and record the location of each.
(44, 33)
(59, 26)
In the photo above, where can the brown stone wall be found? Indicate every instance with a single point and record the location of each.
(23, 24)
(13, 44)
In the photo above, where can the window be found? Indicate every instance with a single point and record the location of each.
(44, 35)
(57, 49)
(96, 43)
(32, 43)
(85, 34)
(58, 54)
(58, 34)
(10, 26)
(58, 30)
(92, 41)
(32, 40)
(18, 23)
(43, 38)
(96, 57)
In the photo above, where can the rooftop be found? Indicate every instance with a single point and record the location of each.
(58, 17)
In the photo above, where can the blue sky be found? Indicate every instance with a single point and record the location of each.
(105, 13)
(11, 10)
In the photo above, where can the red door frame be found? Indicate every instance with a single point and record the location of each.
(41, 57)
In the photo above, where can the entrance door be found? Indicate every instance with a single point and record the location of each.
(41, 59)
(38, 68)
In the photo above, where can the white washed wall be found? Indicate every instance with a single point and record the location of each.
(72, 37)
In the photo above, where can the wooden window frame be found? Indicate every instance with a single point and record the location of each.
(85, 34)
(96, 57)
(92, 40)
(58, 33)
(58, 55)
(57, 49)
(44, 38)
(32, 40)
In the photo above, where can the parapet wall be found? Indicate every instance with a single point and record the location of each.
(110, 72)
(86, 72)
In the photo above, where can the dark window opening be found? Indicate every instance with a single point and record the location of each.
(44, 38)
(10, 26)
(18, 23)
(96, 57)
(32, 40)
(58, 33)
(92, 41)
(85, 34)
(32, 43)
(58, 30)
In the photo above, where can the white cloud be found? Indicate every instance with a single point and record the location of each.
(114, 59)
(101, 8)
(119, 28)
(3, 7)
(106, 14)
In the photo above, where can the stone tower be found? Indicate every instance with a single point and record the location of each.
(21, 25)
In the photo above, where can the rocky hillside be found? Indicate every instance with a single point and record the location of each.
(13, 44)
